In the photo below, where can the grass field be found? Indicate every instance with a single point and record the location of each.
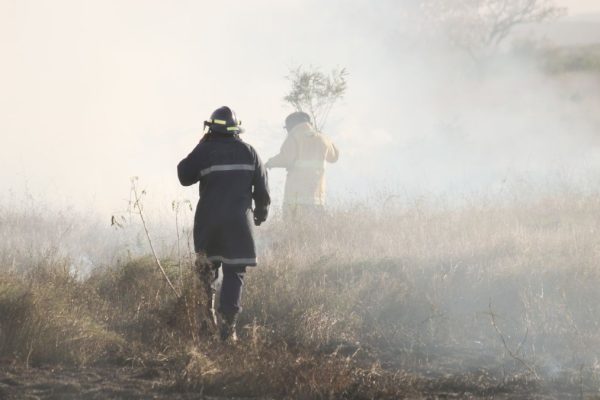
(484, 300)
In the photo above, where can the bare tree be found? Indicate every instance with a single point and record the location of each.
(480, 25)
(315, 93)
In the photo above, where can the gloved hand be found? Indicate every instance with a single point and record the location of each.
(260, 215)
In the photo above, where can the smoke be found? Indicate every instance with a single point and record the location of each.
(97, 92)
(102, 91)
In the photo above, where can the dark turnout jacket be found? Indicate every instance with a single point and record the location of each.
(231, 175)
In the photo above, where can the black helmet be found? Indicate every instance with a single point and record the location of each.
(296, 118)
(223, 120)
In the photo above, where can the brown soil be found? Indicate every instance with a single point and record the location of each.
(108, 382)
(87, 383)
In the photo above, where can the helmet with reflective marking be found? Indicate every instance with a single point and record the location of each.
(296, 118)
(224, 120)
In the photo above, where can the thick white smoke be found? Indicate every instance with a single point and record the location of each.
(97, 92)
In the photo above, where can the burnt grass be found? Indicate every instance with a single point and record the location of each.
(479, 302)
(159, 382)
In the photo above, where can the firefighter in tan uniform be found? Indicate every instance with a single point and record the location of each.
(304, 154)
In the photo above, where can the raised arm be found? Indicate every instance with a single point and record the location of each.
(287, 155)
(332, 154)
(188, 169)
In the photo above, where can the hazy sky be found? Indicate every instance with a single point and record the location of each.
(94, 92)
(580, 6)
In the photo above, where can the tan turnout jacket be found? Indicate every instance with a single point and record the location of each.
(304, 153)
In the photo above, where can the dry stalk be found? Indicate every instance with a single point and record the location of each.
(176, 205)
(176, 209)
(138, 206)
(512, 354)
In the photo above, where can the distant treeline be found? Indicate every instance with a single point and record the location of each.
(559, 60)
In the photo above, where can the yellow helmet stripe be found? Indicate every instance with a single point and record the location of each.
(233, 128)
(219, 121)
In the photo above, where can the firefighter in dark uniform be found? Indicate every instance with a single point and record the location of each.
(231, 176)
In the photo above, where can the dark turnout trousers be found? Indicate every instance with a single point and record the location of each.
(231, 290)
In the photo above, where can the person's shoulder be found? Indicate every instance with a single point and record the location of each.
(323, 138)
(200, 146)
(240, 142)
(247, 146)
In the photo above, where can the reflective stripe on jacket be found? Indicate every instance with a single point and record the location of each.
(304, 153)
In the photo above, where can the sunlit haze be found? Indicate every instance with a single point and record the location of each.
(452, 253)
(95, 92)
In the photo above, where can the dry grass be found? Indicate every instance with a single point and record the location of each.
(364, 304)
(48, 316)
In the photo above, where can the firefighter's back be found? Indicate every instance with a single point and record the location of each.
(226, 175)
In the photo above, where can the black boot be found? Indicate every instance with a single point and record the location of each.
(227, 328)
